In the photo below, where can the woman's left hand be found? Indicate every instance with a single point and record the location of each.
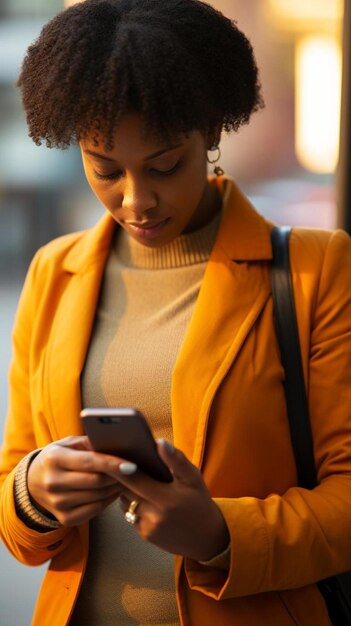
(179, 517)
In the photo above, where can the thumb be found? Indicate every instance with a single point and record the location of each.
(177, 462)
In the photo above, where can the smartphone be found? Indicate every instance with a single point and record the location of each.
(125, 433)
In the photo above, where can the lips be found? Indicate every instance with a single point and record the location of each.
(147, 230)
(145, 225)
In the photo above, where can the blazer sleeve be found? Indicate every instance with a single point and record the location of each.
(20, 437)
(295, 539)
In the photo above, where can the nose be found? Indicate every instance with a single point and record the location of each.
(138, 197)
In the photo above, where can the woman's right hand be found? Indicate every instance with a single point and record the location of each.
(70, 481)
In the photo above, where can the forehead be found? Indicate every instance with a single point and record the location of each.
(131, 139)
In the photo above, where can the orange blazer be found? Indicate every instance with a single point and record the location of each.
(229, 417)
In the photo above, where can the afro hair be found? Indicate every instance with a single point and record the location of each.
(180, 63)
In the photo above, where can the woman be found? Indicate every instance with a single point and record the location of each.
(166, 305)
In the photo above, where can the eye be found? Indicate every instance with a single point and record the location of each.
(168, 172)
(118, 174)
(112, 176)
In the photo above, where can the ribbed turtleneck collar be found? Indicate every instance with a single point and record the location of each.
(188, 249)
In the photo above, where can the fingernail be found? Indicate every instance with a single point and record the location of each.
(167, 444)
(127, 468)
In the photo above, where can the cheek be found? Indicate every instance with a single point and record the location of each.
(104, 195)
(192, 190)
(110, 199)
(191, 184)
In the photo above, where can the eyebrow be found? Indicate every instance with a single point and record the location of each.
(147, 158)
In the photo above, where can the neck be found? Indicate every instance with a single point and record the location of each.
(210, 204)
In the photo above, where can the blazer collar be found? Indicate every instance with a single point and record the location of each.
(244, 235)
(92, 247)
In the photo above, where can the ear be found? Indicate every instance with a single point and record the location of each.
(213, 136)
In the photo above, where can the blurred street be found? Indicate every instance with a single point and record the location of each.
(17, 600)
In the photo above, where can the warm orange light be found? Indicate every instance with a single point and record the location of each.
(317, 102)
(302, 14)
(69, 3)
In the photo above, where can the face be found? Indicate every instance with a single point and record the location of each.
(154, 191)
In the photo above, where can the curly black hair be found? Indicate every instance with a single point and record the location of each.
(180, 63)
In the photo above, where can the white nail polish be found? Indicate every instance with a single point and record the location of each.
(167, 444)
(127, 468)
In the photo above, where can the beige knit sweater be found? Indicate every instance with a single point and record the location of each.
(145, 306)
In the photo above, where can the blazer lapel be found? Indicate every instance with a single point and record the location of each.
(234, 291)
(72, 326)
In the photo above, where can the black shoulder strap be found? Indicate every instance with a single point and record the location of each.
(288, 339)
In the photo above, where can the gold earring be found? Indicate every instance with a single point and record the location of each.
(217, 170)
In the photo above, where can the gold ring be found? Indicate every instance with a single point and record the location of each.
(130, 516)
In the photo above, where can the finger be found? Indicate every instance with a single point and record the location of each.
(77, 442)
(82, 460)
(142, 486)
(73, 499)
(126, 497)
(143, 510)
(181, 468)
(154, 490)
(84, 513)
(61, 481)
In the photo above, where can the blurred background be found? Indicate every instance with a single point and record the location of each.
(292, 161)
